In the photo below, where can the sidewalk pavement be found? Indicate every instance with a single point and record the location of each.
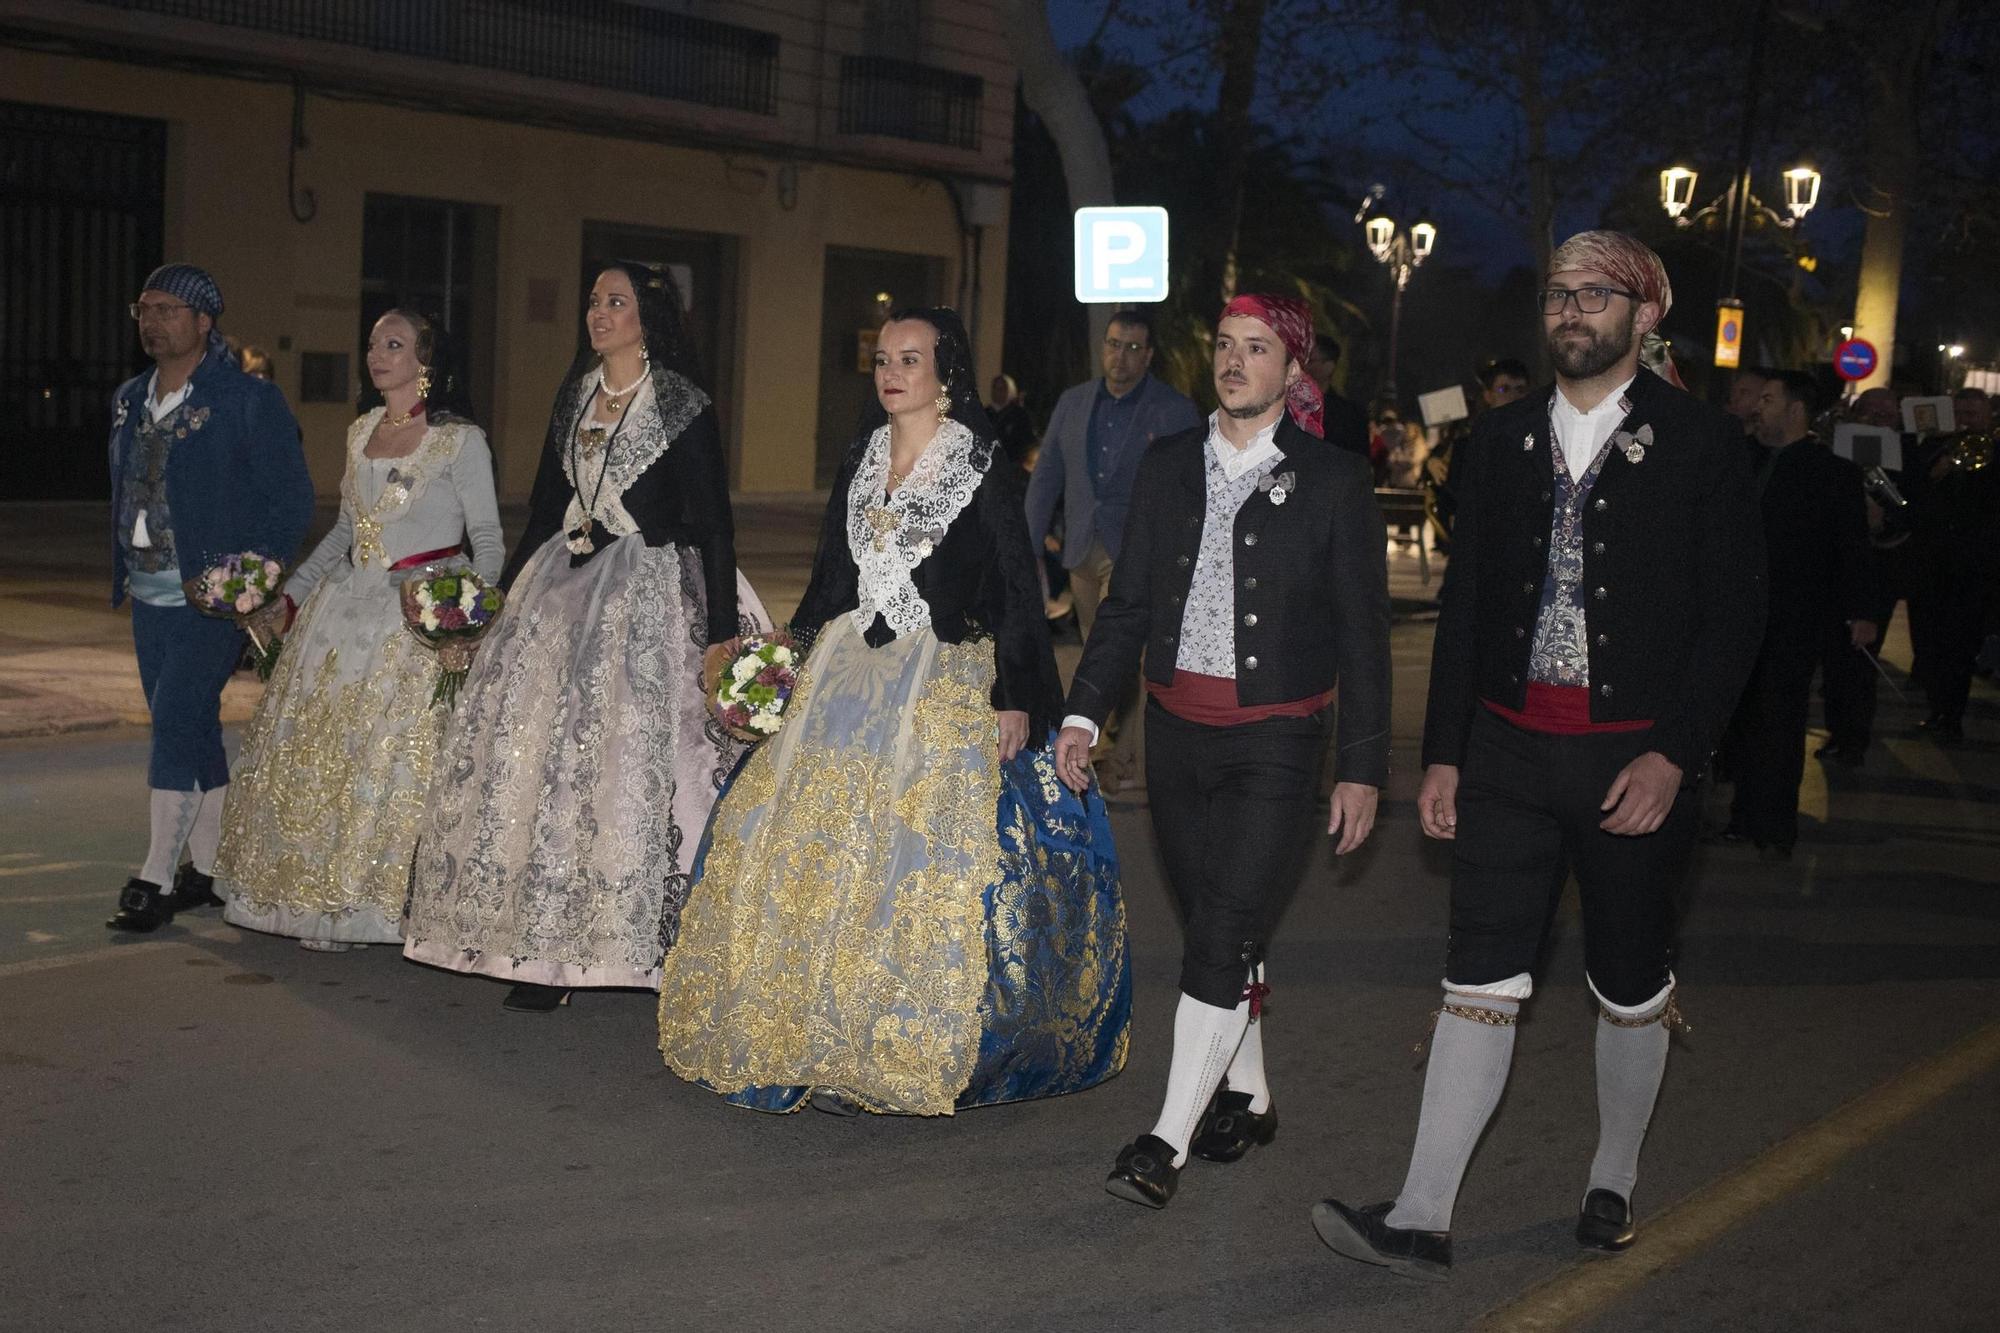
(66, 660)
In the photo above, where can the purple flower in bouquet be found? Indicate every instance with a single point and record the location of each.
(752, 691)
(449, 612)
(236, 587)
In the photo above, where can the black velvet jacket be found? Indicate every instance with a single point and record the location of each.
(681, 500)
(1673, 572)
(1312, 590)
(1816, 538)
(979, 583)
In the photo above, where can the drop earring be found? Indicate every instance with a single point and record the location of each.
(423, 382)
(943, 405)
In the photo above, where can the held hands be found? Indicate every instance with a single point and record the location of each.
(1353, 815)
(718, 656)
(1437, 802)
(1073, 758)
(1641, 795)
(1013, 732)
(1861, 633)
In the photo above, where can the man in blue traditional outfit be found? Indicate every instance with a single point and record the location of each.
(205, 462)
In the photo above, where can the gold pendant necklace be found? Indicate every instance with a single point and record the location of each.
(615, 398)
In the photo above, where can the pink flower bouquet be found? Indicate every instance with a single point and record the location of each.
(237, 587)
(449, 611)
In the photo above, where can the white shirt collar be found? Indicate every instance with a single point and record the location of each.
(157, 406)
(1581, 434)
(1609, 405)
(1235, 462)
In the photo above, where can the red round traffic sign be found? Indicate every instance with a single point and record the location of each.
(1854, 359)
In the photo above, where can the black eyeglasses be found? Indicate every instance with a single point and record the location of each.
(144, 310)
(1589, 300)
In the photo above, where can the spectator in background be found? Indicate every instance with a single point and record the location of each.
(1012, 426)
(1848, 679)
(1501, 381)
(1385, 428)
(1746, 392)
(1346, 424)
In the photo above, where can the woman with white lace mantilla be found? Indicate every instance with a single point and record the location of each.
(328, 793)
(899, 908)
(584, 761)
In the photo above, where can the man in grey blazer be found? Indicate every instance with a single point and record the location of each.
(1090, 455)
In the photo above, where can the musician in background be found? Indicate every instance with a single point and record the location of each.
(1816, 541)
(1848, 679)
(1955, 514)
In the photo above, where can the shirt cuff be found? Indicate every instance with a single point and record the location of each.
(1079, 720)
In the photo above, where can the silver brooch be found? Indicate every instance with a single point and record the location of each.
(1528, 443)
(1279, 486)
(1633, 443)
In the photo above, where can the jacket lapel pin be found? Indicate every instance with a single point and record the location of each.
(1278, 486)
(1634, 444)
(1528, 443)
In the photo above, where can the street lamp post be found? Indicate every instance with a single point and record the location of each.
(1401, 252)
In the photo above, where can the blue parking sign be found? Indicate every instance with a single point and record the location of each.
(1121, 255)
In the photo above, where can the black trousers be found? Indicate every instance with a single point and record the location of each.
(1528, 816)
(1947, 615)
(1768, 752)
(1233, 813)
(1848, 680)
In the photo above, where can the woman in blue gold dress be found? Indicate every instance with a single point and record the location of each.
(898, 908)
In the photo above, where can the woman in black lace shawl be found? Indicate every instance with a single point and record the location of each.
(583, 760)
(899, 908)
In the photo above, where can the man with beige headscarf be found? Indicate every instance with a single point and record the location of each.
(1604, 606)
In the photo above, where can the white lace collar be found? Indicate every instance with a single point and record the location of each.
(888, 538)
(648, 428)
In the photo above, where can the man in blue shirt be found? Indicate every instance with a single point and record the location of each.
(1090, 455)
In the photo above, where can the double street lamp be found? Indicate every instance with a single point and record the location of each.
(1734, 209)
(1401, 252)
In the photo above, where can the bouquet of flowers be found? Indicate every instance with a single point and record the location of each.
(752, 691)
(236, 588)
(449, 611)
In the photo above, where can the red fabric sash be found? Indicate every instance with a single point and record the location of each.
(1560, 710)
(1210, 701)
(425, 557)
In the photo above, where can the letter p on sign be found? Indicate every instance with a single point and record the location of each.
(1121, 255)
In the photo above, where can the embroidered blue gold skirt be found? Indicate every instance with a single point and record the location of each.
(883, 909)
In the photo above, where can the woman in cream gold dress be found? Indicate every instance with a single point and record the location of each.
(584, 760)
(899, 907)
(328, 794)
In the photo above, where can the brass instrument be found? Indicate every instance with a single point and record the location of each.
(1969, 453)
(1894, 528)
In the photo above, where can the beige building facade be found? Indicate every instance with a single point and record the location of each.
(799, 165)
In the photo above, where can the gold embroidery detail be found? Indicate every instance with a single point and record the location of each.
(837, 937)
(1471, 1013)
(1670, 1014)
(324, 808)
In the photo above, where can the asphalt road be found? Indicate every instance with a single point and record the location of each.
(212, 1130)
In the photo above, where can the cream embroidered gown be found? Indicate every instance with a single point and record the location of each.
(328, 794)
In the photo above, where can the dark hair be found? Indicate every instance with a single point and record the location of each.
(1503, 365)
(1799, 387)
(1968, 391)
(953, 356)
(1326, 346)
(1759, 372)
(1135, 318)
(666, 340)
(438, 353)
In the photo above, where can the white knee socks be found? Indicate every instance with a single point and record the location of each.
(173, 818)
(1206, 1039)
(1631, 1061)
(207, 833)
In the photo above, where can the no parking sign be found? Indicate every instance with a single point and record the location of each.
(1854, 360)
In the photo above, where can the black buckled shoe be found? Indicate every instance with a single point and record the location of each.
(1604, 1222)
(193, 889)
(1365, 1234)
(1145, 1172)
(1229, 1128)
(143, 906)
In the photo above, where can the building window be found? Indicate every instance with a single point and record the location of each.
(905, 100)
(438, 258)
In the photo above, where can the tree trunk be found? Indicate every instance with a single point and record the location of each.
(1241, 32)
(1528, 56)
(1054, 93)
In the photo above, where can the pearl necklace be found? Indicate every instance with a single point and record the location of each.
(615, 398)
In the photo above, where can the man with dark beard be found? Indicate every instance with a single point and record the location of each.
(1252, 578)
(1603, 607)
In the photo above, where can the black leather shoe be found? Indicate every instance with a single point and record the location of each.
(529, 998)
(1145, 1172)
(1731, 834)
(1229, 1128)
(834, 1102)
(193, 889)
(1605, 1223)
(1365, 1234)
(1774, 853)
(143, 906)
(1938, 727)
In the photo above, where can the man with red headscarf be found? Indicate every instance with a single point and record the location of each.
(1252, 579)
(1604, 606)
